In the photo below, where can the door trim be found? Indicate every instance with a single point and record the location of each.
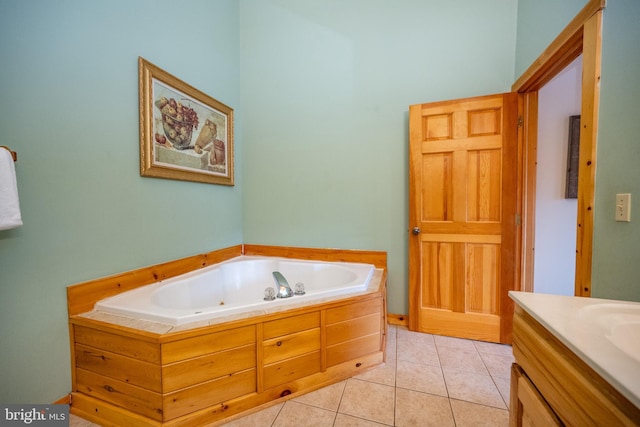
(583, 35)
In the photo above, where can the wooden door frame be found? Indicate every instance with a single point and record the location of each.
(582, 36)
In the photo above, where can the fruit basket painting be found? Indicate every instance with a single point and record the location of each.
(184, 133)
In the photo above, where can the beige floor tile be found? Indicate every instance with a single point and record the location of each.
(420, 409)
(473, 388)
(368, 400)
(263, 418)
(391, 348)
(471, 415)
(442, 341)
(392, 331)
(462, 359)
(325, 398)
(76, 421)
(417, 351)
(504, 387)
(296, 414)
(420, 377)
(493, 348)
(498, 365)
(343, 420)
(385, 374)
(404, 334)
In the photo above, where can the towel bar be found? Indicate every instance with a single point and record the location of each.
(13, 153)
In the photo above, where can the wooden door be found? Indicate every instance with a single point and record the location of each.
(462, 195)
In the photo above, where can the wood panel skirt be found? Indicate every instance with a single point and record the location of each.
(141, 373)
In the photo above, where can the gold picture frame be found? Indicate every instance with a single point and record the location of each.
(184, 133)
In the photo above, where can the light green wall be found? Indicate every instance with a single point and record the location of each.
(320, 91)
(616, 244)
(539, 23)
(616, 251)
(326, 87)
(69, 107)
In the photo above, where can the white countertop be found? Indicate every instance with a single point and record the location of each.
(580, 324)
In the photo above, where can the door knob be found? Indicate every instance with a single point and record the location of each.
(415, 230)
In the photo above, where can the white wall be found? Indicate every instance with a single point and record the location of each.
(555, 232)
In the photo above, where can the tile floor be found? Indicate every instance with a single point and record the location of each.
(428, 380)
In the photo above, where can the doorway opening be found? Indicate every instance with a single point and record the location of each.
(582, 37)
(556, 199)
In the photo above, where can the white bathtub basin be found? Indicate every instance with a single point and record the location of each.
(237, 286)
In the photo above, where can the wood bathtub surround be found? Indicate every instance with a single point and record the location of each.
(200, 374)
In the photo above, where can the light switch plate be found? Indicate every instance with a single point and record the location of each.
(623, 207)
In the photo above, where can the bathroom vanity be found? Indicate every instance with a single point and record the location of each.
(577, 361)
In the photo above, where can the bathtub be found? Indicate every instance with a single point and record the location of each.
(235, 286)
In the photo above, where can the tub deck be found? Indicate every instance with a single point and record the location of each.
(237, 286)
(142, 373)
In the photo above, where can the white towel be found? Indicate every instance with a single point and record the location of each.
(10, 216)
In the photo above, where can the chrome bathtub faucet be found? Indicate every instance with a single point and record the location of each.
(284, 290)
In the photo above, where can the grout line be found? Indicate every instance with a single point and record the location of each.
(395, 375)
(344, 389)
(444, 380)
(277, 415)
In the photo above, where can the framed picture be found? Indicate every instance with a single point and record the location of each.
(573, 158)
(184, 133)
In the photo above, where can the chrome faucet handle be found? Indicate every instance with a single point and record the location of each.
(269, 294)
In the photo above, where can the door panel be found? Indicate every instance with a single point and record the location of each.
(483, 193)
(462, 178)
(436, 169)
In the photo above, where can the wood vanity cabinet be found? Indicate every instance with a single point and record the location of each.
(552, 386)
(530, 408)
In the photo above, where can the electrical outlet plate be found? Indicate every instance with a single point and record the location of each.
(623, 207)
